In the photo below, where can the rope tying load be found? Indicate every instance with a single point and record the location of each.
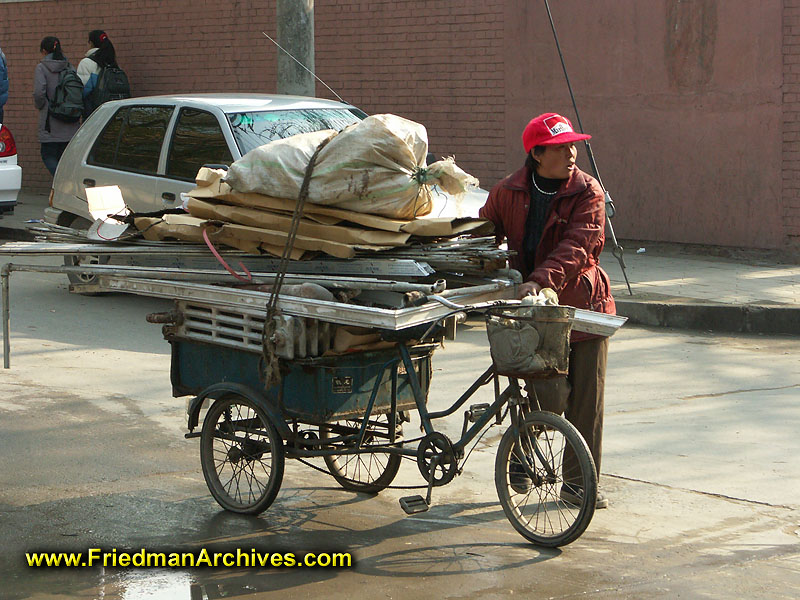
(272, 376)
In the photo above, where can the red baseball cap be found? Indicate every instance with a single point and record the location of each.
(550, 129)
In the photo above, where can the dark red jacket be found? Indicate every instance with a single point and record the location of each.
(574, 234)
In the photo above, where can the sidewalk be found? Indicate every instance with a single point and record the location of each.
(676, 286)
(673, 285)
(29, 206)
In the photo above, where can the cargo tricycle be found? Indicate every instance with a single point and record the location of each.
(349, 410)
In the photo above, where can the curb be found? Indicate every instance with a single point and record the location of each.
(743, 318)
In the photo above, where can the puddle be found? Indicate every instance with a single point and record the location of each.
(150, 584)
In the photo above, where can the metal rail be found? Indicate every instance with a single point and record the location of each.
(162, 251)
(255, 303)
(333, 312)
(218, 276)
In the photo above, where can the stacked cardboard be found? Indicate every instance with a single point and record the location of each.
(258, 223)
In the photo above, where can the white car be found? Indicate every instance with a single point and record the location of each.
(152, 147)
(10, 171)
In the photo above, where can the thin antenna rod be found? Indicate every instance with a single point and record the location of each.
(571, 95)
(618, 250)
(289, 54)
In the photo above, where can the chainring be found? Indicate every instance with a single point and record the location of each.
(437, 444)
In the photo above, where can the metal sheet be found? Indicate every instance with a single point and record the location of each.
(597, 323)
(163, 254)
(346, 314)
(333, 312)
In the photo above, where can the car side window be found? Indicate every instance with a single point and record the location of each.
(197, 141)
(132, 139)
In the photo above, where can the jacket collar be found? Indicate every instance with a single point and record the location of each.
(53, 65)
(520, 181)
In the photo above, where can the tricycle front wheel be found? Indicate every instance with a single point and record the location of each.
(546, 479)
(242, 455)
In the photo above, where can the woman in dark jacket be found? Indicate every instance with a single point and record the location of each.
(553, 216)
(54, 134)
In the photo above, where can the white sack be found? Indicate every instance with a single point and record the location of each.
(368, 167)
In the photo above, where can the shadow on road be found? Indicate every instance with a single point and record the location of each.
(302, 520)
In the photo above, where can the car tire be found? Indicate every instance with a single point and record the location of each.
(81, 279)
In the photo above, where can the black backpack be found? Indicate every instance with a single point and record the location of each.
(112, 84)
(67, 101)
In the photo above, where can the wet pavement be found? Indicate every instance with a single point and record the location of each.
(698, 466)
(700, 438)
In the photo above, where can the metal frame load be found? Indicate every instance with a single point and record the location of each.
(193, 256)
(332, 312)
(119, 279)
(439, 306)
(351, 314)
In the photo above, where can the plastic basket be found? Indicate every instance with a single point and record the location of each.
(530, 341)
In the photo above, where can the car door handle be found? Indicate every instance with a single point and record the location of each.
(89, 182)
(168, 196)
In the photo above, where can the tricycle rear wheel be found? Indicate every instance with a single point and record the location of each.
(242, 455)
(369, 472)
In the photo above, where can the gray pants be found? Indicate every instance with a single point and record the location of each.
(587, 376)
(580, 396)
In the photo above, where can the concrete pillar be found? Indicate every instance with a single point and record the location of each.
(296, 35)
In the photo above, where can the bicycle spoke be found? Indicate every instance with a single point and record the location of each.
(541, 443)
(238, 454)
(364, 471)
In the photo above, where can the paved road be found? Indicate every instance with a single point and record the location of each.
(699, 465)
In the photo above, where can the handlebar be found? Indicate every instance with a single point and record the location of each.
(474, 307)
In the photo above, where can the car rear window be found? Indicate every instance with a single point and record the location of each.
(132, 139)
(197, 141)
(254, 129)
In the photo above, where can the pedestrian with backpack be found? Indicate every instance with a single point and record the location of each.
(102, 78)
(58, 94)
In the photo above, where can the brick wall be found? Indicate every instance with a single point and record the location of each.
(439, 63)
(164, 46)
(791, 121)
(429, 61)
(693, 105)
(683, 99)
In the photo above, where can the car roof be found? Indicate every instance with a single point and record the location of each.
(232, 103)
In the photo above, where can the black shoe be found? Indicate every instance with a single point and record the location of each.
(573, 494)
(517, 477)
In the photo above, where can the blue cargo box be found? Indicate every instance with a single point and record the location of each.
(315, 390)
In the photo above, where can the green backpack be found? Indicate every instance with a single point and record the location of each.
(67, 102)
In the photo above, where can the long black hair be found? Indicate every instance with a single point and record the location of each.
(531, 162)
(105, 56)
(52, 45)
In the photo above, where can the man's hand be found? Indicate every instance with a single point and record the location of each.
(529, 288)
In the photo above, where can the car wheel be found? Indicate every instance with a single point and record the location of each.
(84, 259)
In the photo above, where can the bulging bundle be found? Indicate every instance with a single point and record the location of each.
(376, 166)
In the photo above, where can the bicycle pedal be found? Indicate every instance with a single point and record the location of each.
(476, 411)
(413, 504)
